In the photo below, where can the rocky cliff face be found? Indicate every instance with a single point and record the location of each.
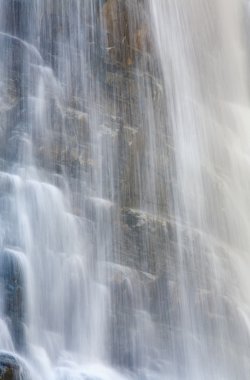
(127, 34)
(80, 103)
(83, 106)
(118, 57)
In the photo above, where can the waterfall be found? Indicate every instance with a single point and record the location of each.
(124, 190)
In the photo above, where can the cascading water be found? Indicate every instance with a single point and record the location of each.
(124, 205)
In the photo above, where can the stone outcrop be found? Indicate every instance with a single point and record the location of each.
(127, 34)
(100, 131)
(13, 284)
(122, 322)
(12, 368)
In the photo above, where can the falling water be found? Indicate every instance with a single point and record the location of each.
(124, 190)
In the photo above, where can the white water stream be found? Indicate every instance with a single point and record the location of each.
(125, 189)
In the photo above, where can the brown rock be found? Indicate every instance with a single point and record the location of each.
(8, 374)
(142, 39)
(12, 368)
(126, 36)
(115, 18)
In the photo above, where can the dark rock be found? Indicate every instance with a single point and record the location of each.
(12, 368)
(123, 350)
(127, 35)
(165, 299)
(145, 240)
(12, 278)
(15, 23)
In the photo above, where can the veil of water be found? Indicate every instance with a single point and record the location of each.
(124, 190)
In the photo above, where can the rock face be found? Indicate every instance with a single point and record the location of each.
(122, 323)
(146, 238)
(93, 134)
(83, 105)
(12, 368)
(13, 285)
(127, 35)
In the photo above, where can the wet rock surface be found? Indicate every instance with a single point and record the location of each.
(147, 240)
(12, 368)
(122, 322)
(105, 142)
(127, 35)
(14, 295)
